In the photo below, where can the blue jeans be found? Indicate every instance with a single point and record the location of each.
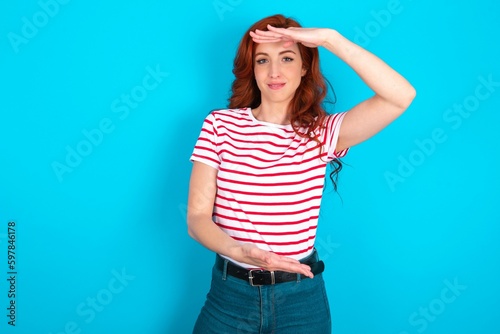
(233, 306)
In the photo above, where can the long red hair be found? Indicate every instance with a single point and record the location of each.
(305, 107)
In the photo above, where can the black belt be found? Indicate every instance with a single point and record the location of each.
(258, 277)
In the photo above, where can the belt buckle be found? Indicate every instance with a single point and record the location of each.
(251, 277)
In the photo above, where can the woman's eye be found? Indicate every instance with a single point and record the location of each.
(287, 59)
(260, 61)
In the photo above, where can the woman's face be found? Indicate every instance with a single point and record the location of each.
(278, 71)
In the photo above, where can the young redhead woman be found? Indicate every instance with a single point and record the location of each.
(259, 171)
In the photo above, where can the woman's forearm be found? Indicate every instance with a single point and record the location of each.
(380, 77)
(202, 192)
(207, 233)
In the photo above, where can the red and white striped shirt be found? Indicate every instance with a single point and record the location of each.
(269, 181)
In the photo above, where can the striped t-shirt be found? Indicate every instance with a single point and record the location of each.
(269, 181)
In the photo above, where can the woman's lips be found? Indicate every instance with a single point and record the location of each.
(276, 86)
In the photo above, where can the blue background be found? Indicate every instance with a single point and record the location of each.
(102, 245)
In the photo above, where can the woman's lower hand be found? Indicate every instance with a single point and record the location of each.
(266, 260)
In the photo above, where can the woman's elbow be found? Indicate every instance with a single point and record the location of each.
(193, 225)
(412, 93)
(405, 99)
(191, 232)
(190, 227)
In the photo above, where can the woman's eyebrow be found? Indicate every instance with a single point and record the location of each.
(265, 54)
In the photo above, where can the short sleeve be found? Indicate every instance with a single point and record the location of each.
(332, 130)
(205, 149)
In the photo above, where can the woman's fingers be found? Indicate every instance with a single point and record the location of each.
(261, 36)
(295, 266)
(281, 31)
(310, 37)
(266, 34)
(299, 268)
(264, 39)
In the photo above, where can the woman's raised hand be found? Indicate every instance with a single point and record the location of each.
(310, 37)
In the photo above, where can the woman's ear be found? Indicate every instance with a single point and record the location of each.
(304, 71)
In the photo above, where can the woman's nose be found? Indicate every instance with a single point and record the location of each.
(274, 70)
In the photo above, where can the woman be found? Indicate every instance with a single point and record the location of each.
(259, 170)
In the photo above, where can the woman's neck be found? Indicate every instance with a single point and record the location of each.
(272, 113)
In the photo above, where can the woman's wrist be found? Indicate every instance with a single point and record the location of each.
(341, 46)
(234, 251)
(332, 39)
